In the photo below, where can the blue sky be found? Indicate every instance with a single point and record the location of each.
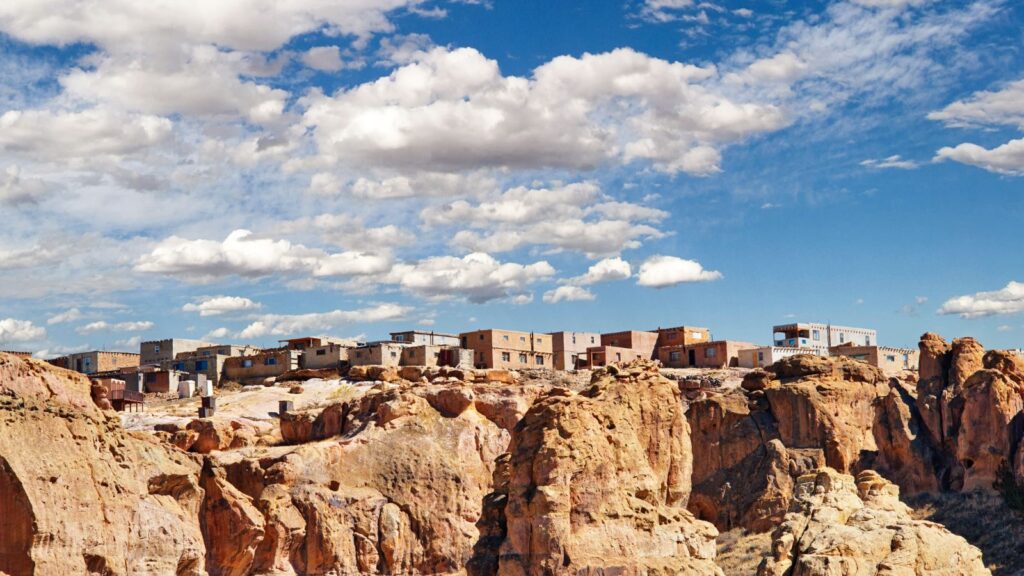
(246, 172)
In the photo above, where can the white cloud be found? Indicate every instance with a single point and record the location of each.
(129, 343)
(454, 110)
(478, 277)
(1008, 300)
(295, 324)
(890, 3)
(325, 58)
(217, 333)
(1003, 107)
(59, 135)
(217, 305)
(568, 294)
(16, 190)
(663, 271)
(103, 325)
(69, 315)
(1004, 159)
(894, 161)
(353, 264)
(13, 330)
(606, 270)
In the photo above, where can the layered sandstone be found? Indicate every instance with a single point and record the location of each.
(838, 525)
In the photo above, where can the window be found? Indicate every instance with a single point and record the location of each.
(760, 356)
(504, 337)
(591, 339)
(867, 340)
(359, 354)
(522, 358)
(202, 365)
(817, 335)
(573, 339)
(618, 356)
(673, 356)
(842, 338)
(710, 352)
(505, 357)
(539, 360)
(890, 357)
(179, 366)
(696, 335)
(394, 354)
(270, 361)
(246, 363)
(321, 352)
(522, 338)
(156, 348)
(482, 337)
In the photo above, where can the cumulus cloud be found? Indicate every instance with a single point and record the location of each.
(14, 330)
(1008, 300)
(455, 110)
(1004, 159)
(217, 333)
(478, 277)
(217, 305)
(296, 324)
(663, 271)
(1003, 107)
(565, 217)
(104, 326)
(18, 191)
(69, 315)
(324, 58)
(606, 270)
(568, 294)
(894, 161)
(61, 135)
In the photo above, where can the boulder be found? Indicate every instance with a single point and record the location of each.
(450, 401)
(838, 525)
(989, 428)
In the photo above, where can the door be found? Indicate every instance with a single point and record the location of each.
(691, 355)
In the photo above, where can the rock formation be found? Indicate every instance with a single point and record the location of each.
(597, 483)
(841, 526)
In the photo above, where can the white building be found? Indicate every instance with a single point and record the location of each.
(821, 337)
(768, 355)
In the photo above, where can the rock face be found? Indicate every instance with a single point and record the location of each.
(841, 526)
(597, 483)
(78, 494)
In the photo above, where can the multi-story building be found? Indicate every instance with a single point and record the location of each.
(306, 342)
(715, 354)
(97, 361)
(425, 337)
(509, 349)
(159, 351)
(890, 360)
(681, 336)
(643, 342)
(570, 348)
(208, 360)
(821, 337)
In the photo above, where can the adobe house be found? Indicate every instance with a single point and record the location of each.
(762, 356)
(509, 349)
(377, 354)
(97, 361)
(570, 348)
(821, 337)
(715, 354)
(643, 342)
(329, 355)
(681, 336)
(890, 360)
(425, 337)
(261, 365)
(159, 351)
(604, 355)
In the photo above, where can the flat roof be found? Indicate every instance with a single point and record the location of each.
(430, 332)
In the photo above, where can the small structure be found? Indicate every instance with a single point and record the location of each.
(425, 337)
(890, 360)
(435, 355)
(306, 342)
(767, 355)
(265, 364)
(715, 354)
(330, 355)
(121, 398)
(643, 343)
(97, 361)
(604, 355)
(570, 348)
(377, 354)
(681, 336)
(156, 352)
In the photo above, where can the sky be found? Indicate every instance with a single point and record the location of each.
(249, 170)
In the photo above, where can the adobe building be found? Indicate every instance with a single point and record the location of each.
(509, 349)
(767, 355)
(97, 361)
(329, 355)
(890, 360)
(159, 351)
(377, 354)
(208, 361)
(265, 364)
(604, 355)
(821, 337)
(715, 354)
(681, 336)
(425, 337)
(570, 349)
(20, 354)
(434, 355)
(643, 342)
(306, 342)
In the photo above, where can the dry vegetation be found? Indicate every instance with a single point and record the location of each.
(740, 551)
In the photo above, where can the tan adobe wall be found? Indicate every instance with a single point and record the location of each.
(605, 355)
(265, 364)
(681, 335)
(643, 342)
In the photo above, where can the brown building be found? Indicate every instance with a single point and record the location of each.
(325, 356)
(157, 352)
(434, 355)
(261, 365)
(643, 342)
(417, 337)
(97, 361)
(604, 355)
(716, 354)
(570, 348)
(377, 354)
(682, 336)
(306, 342)
(890, 360)
(509, 349)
